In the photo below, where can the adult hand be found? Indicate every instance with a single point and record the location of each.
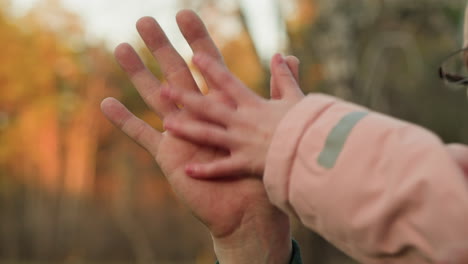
(245, 227)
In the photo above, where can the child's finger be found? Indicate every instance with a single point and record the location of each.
(275, 92)
(200, 105)
(293, 65)
(223, 80)
(285, 80)
(221, 168)
(198, 132)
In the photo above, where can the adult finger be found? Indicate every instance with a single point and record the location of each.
(147, 85)
(195, 33)
(174, 67)
(135, 128)
(221, 168)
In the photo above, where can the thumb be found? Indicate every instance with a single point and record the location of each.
(293, 64)
(284, 78)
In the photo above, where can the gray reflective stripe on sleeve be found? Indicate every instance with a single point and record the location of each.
(337, 138)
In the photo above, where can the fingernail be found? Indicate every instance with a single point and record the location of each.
(280, 59)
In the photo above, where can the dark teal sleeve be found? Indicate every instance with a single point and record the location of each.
(296, 253)
(295, 256)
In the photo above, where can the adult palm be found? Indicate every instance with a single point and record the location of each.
(235, 211)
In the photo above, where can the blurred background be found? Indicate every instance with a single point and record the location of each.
(75, 190)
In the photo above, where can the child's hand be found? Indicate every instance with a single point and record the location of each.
(244, 129)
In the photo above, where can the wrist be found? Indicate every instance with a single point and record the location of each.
(258, 240)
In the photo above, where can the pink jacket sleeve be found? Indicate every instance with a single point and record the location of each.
(380, 189)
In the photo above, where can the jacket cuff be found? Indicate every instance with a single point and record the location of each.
(285, 141)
